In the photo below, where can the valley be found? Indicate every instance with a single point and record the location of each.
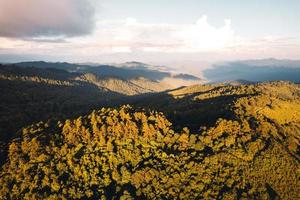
(68, 134)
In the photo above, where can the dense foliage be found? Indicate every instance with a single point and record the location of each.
(220, 141)
(30, 94)
(126, 153)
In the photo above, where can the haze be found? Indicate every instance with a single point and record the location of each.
(191, 34)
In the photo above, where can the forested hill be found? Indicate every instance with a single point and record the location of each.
(39, 91)
(127, 71)
(223, 142)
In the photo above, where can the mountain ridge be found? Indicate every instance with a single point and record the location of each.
(136, 151)
(117, 69)
(77, 135)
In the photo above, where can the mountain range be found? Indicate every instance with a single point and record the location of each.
(254, 70)
(126, 131)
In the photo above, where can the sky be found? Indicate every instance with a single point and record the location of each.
(189, 33)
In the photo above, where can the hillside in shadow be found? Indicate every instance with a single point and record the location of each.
(120, 71)
(247, 148)
(186, 111)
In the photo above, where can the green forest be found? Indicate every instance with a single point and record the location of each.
(67, 139)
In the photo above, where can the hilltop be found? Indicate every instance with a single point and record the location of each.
(216, 141)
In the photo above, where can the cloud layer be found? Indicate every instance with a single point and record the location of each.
(35, 18)
(131, 35)
(160, 43)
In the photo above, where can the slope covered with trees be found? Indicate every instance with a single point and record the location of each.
(33, 94)
(131, 152)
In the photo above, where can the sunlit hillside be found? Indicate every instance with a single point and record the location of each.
(158, 100)
(243, 145)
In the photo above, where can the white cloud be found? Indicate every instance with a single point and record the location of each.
(132, 39)
(195, 37)
(204, 37)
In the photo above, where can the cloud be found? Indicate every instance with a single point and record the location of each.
(129, 39)
(35, 18)
(195, 37)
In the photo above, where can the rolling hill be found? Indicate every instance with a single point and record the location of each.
(38, 91)
(215, 141)
(129, 70)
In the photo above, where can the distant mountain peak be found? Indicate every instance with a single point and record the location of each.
(135, 63)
